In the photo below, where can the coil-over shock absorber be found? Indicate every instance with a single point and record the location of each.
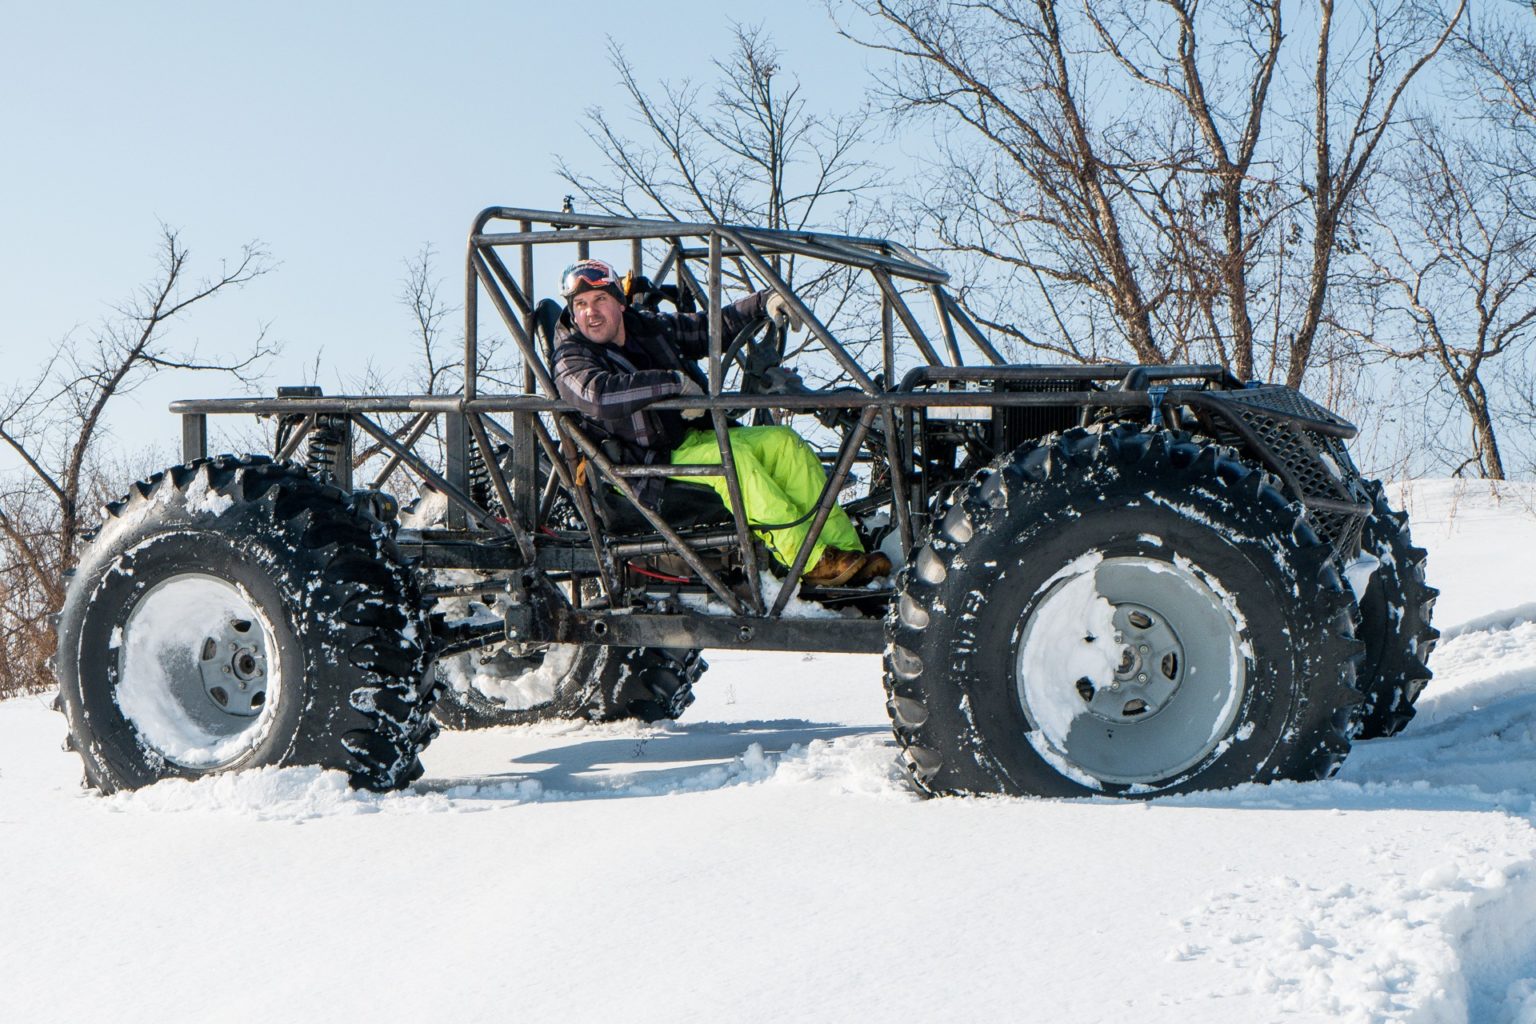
(327, 444)
(479, 478)
(328, 450)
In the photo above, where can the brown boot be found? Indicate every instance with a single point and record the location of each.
(834, 568)
(876, 564)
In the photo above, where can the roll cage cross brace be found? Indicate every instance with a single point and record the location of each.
(497, 517)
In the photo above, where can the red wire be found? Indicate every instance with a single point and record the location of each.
(643, 572)
(657, 575)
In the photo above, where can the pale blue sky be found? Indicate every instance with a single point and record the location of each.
(342, 135)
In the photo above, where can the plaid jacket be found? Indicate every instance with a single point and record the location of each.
(612, 386)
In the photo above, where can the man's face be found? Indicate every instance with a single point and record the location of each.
(599, 316)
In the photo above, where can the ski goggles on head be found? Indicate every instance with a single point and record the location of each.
(585, 275)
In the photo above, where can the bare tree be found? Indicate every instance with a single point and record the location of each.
(29, 555)
(55, 424)
(1339, 170)
(748, 150)
(419, 295)
(1036, 187)
(1223, 252)
(1449, 248)
(1498, 53)
(440, 367)
(1134, 165)
(1457, 264)
(442, 356)
(752, 151)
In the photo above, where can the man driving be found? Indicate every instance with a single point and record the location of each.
(612, 361)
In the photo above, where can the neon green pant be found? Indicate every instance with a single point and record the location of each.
(781, 481)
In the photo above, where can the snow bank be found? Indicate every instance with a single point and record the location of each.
(1481, 537)
(263, 794)
(856, 765)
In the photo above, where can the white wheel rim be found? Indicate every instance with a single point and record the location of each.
(523, 691)
(1130, 670)
(199, 672)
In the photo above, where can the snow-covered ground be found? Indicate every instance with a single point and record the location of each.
(761, 861)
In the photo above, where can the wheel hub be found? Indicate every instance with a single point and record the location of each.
(1105, 651)
(232, 663)
(1150, 671)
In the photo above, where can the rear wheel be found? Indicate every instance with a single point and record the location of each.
(238, 614)
(1395, 611)
(493, 687)
(1131, 612)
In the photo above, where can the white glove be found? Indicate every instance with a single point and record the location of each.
(691, 389)
(780, 312)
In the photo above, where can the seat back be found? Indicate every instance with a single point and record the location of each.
(546, 318)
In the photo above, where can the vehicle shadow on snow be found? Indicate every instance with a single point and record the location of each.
(656, 760)
(1456, 756)
(1472, 747)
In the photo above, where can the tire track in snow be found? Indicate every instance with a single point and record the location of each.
(1475, 739)
(1411, 948)
(1453, 943)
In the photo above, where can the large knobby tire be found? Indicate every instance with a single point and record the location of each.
(1395, 612)
(235, 613)
(1129, 612)
(592, 683)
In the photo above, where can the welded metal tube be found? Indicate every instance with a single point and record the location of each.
(947, 324)
(981, 340)
(823, 510)
(499, 485)
(722, 431)
(833, 346)
(524, 343)
(596, 458)
(418, 427)
(896, 462)
(908, 321)
(431, 476)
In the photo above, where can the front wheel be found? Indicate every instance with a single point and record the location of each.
(1127, 612)
(238, 614)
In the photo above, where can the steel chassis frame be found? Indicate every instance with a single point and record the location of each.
(514, 545)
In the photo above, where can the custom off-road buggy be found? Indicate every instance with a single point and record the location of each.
(1119, 579)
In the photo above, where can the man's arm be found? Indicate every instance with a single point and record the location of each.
(604, 394)
(690, 331)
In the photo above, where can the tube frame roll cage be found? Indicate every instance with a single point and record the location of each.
(523, 557)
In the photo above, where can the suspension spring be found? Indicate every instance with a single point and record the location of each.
(322, 448)
(479, 478)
